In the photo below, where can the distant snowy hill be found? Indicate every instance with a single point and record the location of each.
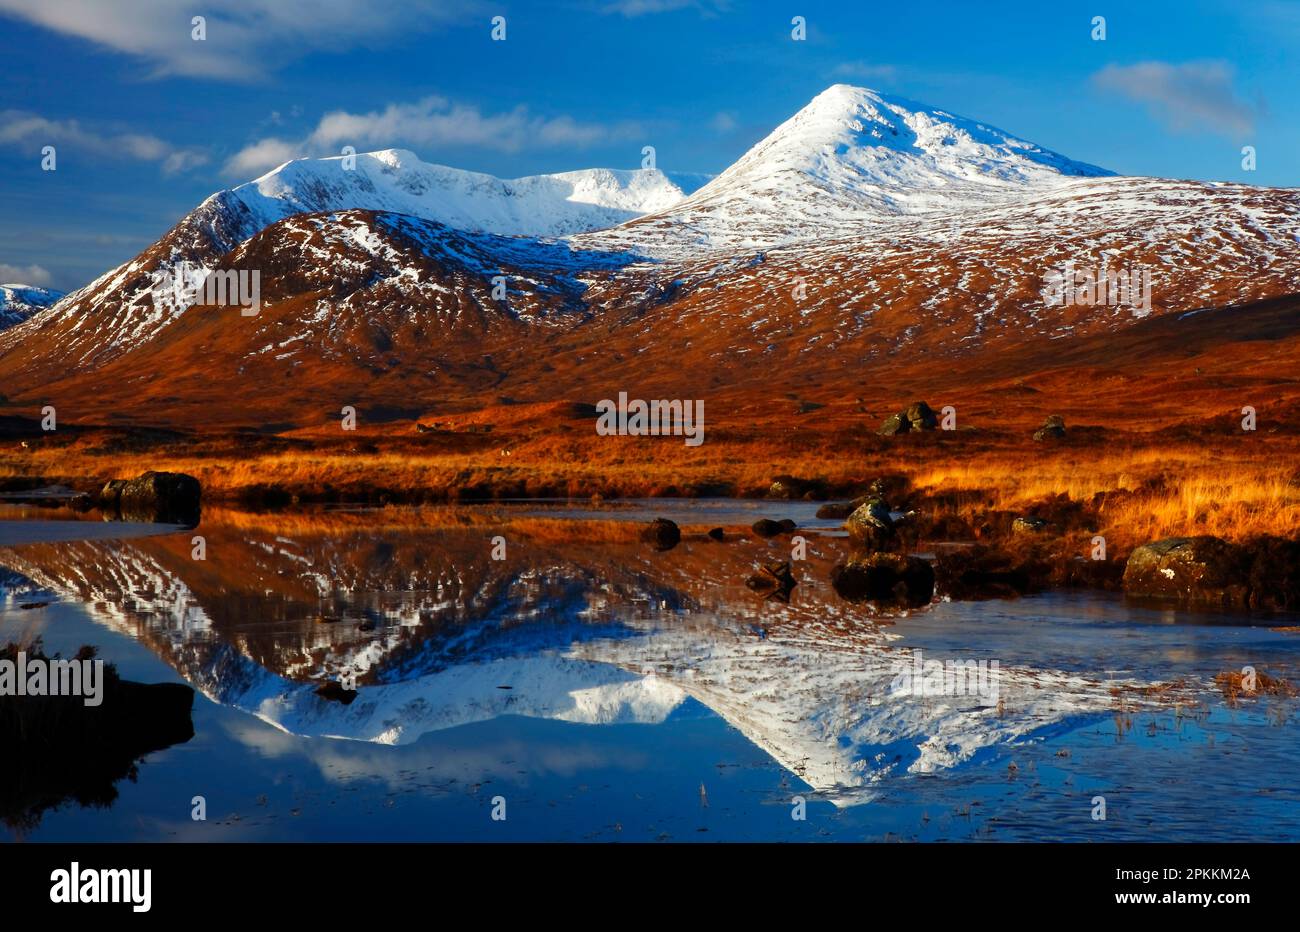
(396, 181)
(19, 302)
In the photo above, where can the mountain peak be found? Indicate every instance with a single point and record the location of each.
(854, 138)
(854, 155)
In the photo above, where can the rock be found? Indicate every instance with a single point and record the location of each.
(1029, 524)
(333, 691)
(775, 581)
(766, 527)
(1275, 574)
(787, 525)
(895, 424)
(716, 534)
(921, 416)
(916, 416)
(1053, 428)
(111, 494)
(870, 525)
(886, 578)
(1201, 570)
(168, 497)
(662, 533)
(980, 572)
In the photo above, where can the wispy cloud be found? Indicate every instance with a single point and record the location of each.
(1190, 97)
(431, 123)
(244, 38)
(32, 131)
(723, 122)
(23, 275)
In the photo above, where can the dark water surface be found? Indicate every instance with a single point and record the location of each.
(602, 691)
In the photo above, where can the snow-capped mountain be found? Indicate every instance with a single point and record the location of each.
(19, 302)
(116, 311)
(396, 181)
(863, 227)
(853, 154)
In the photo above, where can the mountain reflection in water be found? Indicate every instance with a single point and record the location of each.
(576, 624)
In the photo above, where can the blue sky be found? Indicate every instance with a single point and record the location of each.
(147, 122)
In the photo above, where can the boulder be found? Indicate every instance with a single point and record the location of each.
(884, 578)
(980, 572)
(895, 424)
(921, 416)
(167, 497)
(1196, 570)
(717, 534)
(662, 534)
(916, 416)
(1053, 428)
(766, 527)
(110, 496)
(870, 525)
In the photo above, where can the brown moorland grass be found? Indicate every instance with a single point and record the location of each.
(1129, 486)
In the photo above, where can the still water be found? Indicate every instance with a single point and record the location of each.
(588, 688)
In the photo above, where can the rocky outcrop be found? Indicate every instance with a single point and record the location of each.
(662, 534)
(886, 579)
(1195, 570)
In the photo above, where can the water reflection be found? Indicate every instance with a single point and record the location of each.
(575, 624)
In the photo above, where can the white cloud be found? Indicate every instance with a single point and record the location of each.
(433, 123)
(723, 123)
(244, 38)
(260, 157)
(1188, 97)
(24, 274)
(32, 131)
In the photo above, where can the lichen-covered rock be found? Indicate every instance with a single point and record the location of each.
(895, 424)
(168, 497)
(870, 525)
(1197, 570)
